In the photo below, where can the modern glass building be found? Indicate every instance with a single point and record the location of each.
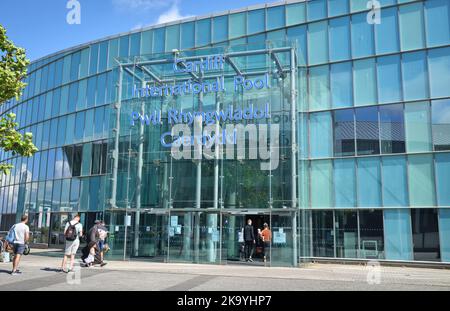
(355, 113)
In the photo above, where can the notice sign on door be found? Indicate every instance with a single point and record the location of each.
(279, 237)
(173, 221)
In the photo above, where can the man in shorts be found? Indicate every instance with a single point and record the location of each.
(22, 234)
(72, 233)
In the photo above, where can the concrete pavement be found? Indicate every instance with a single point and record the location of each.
(40, 274)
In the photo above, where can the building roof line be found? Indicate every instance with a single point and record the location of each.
(177, 22)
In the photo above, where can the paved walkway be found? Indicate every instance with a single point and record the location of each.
(39, 273)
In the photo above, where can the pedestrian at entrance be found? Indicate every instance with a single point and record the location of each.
(266, 235)
(102, 234)
(72, 233)
(19, 233)
(249, 239)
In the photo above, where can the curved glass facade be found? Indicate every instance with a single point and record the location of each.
(362, 108)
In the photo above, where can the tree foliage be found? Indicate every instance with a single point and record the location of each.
(13, 69)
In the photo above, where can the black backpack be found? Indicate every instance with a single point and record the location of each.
(71, 232)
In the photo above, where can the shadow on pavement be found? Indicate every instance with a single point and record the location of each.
(51, 269)
(5, 271)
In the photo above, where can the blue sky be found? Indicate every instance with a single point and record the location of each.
(40, 25)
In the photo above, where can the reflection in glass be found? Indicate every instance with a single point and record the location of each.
(371, 234)
(392, 129)
(344, 132)
(425, 234)
(367, 131)
(346, 234)
(323, 233)
(441, 124)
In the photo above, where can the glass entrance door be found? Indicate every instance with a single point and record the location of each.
(194, 237)
(58, 223)
(149, 237)
(233, 239)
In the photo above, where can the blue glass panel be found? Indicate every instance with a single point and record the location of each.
(317, 9)
(444, 232)
(220, 28)
(386, 33)
(364, 82)
(203, 31)
(439, 66)
(172, 38)
(362, 36)
(73, 91)
(321, 183)
(341, 85)
(337, 7)
(124, 46)
(255, 21)
(298, 34)
(412, 32)
(437, 17)
(441, 124)
(113, 53)
(81, 97)
(369, 182)
(319, 88)
(295, 13)
(358, 5)
(159, 40)
(340, 39)
(135, 44)
(187, 35)
(344, 132)
(58, 72)
(93, 63)
(101, 89)
(84, 66)
(103, 56)
(387, 2)
(392, 129)
(418, 126)
(397, 234)
(147, 42)
(389, 80)
(75, 67)
(344, 183)
(415, 75)
(442, 162)
(395, 186)
(421, 180)
(91, 90)
(321, 135)
(317, 43)
(275, 17)
(367, 130)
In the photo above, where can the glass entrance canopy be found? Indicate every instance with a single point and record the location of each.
(198, 133)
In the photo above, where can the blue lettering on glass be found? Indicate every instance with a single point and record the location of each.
(210, 63)
(224, 138)
(175, 116)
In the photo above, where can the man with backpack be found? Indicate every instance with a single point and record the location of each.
(72, 233)
(18, 235)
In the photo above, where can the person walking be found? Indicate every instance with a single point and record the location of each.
(21, 235)
(266, 235)
(249, 240)
(72, 233)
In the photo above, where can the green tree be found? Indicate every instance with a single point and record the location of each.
(13, 69)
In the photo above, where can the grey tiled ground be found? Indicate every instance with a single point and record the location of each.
(39, 274)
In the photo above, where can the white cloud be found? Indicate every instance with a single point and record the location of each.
(171, 15)
(141, 4)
